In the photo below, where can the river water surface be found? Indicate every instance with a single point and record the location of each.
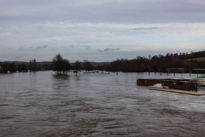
(42, 104)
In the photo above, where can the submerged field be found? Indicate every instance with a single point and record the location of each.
(43, 104)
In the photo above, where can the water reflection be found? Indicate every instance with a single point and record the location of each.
(77, 78)
(61, 77)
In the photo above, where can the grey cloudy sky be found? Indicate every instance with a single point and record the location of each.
(99, 30)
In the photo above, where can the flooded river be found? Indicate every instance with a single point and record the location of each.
(42, 104)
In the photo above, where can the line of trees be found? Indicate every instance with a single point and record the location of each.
(157, 63)
(170, 62)
(13, 67)
(61, 66)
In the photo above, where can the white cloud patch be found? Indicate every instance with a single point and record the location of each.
(103, 37)
(105, 10)
(5, 34)
(113, 29)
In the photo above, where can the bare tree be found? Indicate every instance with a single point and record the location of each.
(77, 66)
(33, 65)
(87, 66)
(60, 65)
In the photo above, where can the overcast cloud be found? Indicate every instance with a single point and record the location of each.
(100, 30)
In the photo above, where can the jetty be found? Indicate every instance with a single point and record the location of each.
(183, 86)
(171, 83)
(178, 91)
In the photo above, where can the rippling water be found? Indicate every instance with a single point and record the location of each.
(43, 104)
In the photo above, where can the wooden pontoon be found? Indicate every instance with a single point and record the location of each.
(171, 83)
(178, 91)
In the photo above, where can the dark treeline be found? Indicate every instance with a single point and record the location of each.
(61, 65)
(158, 63)
(23, 67)
(170, 62)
